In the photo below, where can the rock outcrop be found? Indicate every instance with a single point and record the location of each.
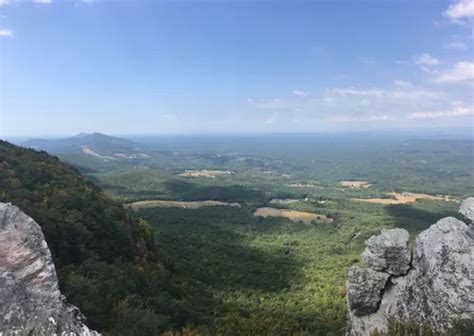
(30, 300)
(433, 286)
(467, 209)
(388, 252)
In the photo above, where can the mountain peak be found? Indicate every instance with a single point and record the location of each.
(100, 143)
(89, 135)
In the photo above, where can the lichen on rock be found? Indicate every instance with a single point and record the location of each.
(364, 289)
(436, 289)
(31, 303)
(388, 252)
(467, 209)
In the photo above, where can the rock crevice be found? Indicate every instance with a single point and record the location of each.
(31, 303)
(432, 285)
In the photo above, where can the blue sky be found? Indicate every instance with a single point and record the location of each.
(129, 67)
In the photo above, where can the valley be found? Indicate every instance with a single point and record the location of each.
(261, 237)
(236, 168)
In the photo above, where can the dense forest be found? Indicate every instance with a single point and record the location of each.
(211, 270)
(107, 260)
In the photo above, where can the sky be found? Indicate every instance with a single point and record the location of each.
(158, 67)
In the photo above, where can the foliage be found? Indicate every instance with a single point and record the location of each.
(246, 267)
(221, 270)
(107, 259)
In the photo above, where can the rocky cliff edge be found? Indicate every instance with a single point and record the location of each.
(431, 285)
(31, 303)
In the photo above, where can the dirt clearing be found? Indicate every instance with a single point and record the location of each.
(205, 173)
(284, 201)
(293, 215)
(354, 184)
(405, 198)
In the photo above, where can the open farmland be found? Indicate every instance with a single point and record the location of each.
(293, 215)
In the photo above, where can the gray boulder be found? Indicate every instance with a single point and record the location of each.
(364, 289)
(467, 209)
(443, 257)
(437, 289)
(31, 303)
(388, 252)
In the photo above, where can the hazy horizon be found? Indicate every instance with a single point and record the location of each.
(161, 67)
(460, 133)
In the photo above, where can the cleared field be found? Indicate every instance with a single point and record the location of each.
(285, 201)
(405, 198)
(135, 206)
(293, 215)
(354, 184)
(205, 173)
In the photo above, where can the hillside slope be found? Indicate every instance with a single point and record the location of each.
(94, 144)
(107, 261)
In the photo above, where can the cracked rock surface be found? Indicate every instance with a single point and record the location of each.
(30, 300)
(364, 289)
(388, 252)
(467, 209)
(437, 288)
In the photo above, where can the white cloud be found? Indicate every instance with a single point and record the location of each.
(384, 117)
(456, 111)
(401, 84)
(6, 33)
(273, 119)
(300, 93)
(456, 46)
(462, 9)
(461, 72)
(356, 105)
(170, 116)
(343, 119)
(426, 59)
(425, 115)
(4, 2)
(47, 2)
(352, 119)
(400, 93)
(355, 92)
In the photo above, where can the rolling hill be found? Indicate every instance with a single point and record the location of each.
(97, 145)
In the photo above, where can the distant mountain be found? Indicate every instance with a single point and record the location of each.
(98, 145)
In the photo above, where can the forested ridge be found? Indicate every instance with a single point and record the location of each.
(106, 258)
